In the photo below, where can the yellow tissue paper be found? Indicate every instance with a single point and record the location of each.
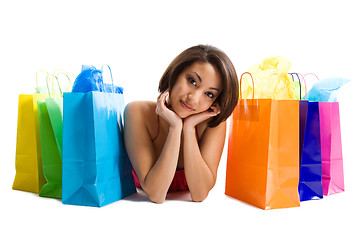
(271, 80)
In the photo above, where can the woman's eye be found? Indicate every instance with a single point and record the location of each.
(192, 81)
(209, 94)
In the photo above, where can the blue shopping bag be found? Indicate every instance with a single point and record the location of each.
(96, 168)
(310, 186)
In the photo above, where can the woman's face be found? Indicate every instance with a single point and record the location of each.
(195, 89)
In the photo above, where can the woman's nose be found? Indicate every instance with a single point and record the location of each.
(194, 98)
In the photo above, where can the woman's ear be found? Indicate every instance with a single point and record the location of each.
(215, 104)
(215, 107)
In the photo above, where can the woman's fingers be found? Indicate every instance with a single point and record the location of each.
(162, 97)
(160, 105)
(166, 113)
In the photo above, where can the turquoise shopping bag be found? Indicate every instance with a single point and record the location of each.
(96, 168)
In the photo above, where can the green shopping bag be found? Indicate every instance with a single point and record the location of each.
(51, 124)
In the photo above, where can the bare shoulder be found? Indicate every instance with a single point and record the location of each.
(206, 131)
(140, 106)
(139, 110)
(140, 116)
(137, 136)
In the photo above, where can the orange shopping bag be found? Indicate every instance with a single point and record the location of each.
(263, 153)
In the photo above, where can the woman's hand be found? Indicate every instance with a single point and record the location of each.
(196, 119)
(163, 111)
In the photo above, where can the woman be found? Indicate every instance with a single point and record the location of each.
(176, 143)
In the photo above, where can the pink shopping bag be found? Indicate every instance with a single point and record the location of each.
(331, 148)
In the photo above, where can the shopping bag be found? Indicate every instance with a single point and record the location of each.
(28, 160)
(96, 168)
(331, 148)
(310, 186)
(51, 129)
(310, 183)
(50, 151)
(325, 91)
(263, 153)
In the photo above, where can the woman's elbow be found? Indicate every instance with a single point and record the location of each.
(156, 199)
(199, 196)
(155, 196)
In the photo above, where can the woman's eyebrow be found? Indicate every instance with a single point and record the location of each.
(212, 88)
(198, 76)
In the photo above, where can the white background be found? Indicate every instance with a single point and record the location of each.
(138, 39)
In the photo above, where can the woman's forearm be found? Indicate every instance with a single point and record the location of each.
(160, 176)
(198, 175)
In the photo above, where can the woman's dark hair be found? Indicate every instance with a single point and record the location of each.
(229, 95)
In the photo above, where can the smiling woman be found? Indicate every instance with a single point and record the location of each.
(171, 142)
(194, 94)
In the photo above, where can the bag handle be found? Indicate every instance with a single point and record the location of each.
(47, 84)
(305, 81)
(297, 74)
(252, 79)
(313, 75)
(65, 73)
(37, 82)
(292, 76)
(52, 81)
(112, 81)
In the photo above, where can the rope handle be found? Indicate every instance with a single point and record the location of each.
(297, 74)
(252, 79)
(57, 80)
(47, 84)
(309, 74)
(112, 81)
(313, 75)
(36, 79)
(56, 73)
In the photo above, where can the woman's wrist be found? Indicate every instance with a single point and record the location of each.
(188, 128)
(177, 128)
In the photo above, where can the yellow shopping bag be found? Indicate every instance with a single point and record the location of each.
(28, 161)
(28, 164)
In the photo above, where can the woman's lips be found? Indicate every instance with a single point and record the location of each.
(186, 107)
